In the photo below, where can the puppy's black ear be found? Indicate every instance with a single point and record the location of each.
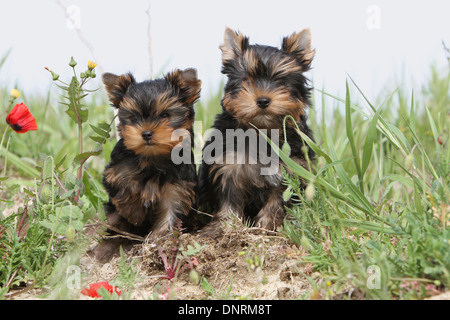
(299, 44)
(234, 45)
(186, 83)
(117, 86)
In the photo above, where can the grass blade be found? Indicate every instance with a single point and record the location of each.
(343, 176)
(383, 125)
(433, 129)
(19, 164)
(368, 145)
(350, 136)
(370, 226)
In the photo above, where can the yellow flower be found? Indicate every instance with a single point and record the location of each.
(91, 65)
(15, 94)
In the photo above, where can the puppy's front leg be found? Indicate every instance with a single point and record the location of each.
(175, 202)
(232, 203)
(272, 213)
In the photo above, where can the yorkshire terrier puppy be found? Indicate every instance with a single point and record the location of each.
(148, 193)
(265, 84)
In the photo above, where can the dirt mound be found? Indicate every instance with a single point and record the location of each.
(243, 263)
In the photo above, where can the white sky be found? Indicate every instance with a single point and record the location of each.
(188, 34)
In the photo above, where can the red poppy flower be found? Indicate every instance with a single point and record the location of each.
(20, 119)
(92, 291)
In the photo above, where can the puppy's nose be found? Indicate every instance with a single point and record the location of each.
(147, 135)
(263, 102)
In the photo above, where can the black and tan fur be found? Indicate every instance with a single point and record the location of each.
(149, 194)
(265, 84)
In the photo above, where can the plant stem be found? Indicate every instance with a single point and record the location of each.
(6, 157)
(11, 101)
(80, 137)
(1, 143)
(80, 148)
(80, 151)
(58, 215)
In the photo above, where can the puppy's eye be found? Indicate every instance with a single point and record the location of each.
(165, 115)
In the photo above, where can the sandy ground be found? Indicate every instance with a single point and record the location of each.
(245, 263)
(242, 264)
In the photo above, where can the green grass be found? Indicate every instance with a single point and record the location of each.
(381, 196)
(378, 195)
(58, 199)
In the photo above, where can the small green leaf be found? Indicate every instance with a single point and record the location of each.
(98, 130)
(287, 194)
(98, 139)
(76, 111)
(82, 157)
(191, 251)
(205, 285)
(104, 126)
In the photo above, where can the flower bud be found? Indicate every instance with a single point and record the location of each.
(304, 242)
(310, 192)
(70, 233)
(321, 162)
(286, 148)
(409, 161)
(305, 150)
(15, 94)
(54, 75)
(91, 65)
(72, 62)
(193, 276)
(45, 194)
